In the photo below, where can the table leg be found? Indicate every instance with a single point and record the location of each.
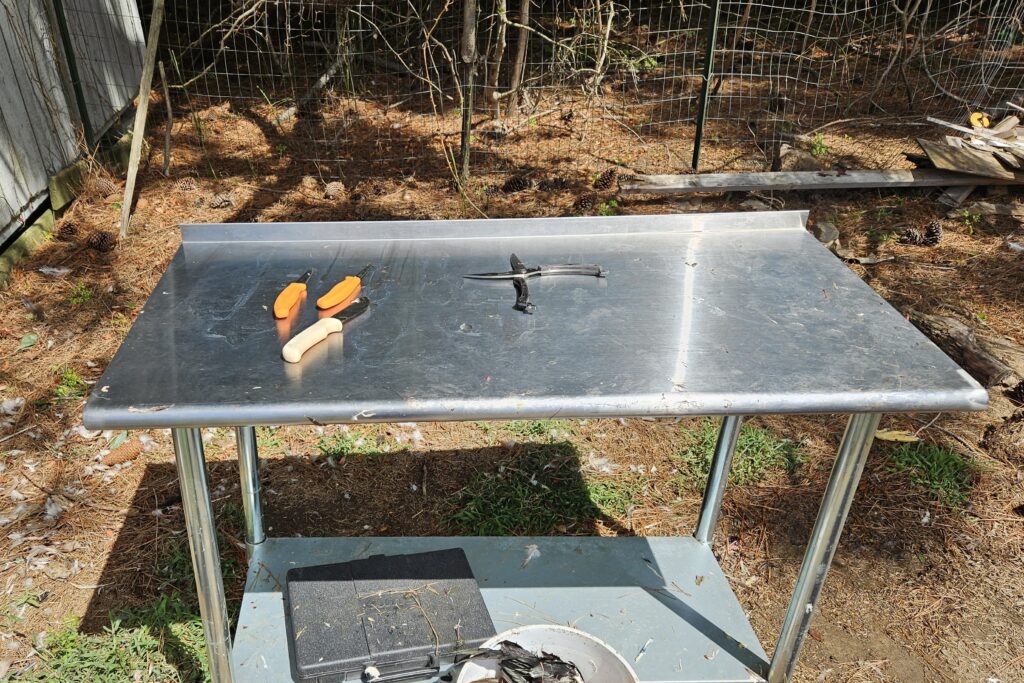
(835, 506)
(717, 478)
(202, 541)
(249, 471)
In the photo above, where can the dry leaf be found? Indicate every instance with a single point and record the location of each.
(896, 435)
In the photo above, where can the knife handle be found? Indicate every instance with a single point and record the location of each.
(310, 337)
(288, 297)
(342, 293)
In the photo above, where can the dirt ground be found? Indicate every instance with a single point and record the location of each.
(921, 590)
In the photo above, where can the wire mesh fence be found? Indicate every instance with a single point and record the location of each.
(354, 85)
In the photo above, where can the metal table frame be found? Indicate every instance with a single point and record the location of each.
(835, 506)
(208, 305)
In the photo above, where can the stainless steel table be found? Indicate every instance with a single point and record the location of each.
(708, 314)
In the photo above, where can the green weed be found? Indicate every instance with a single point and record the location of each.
(540, 493)
(758, 452)
(971, 221)
(818, 146)
(268, 438)
(608, 208)
(117, 655)
(946, 474)
(533, 429)
(345, 443)
(70, 385)
(81, 294)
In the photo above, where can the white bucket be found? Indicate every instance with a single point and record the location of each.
(596, 661)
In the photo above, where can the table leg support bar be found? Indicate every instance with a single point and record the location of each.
(202, 540)
(728, 434)
(835, 506)
(249, 471)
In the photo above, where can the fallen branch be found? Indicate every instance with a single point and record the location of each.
(960, 343)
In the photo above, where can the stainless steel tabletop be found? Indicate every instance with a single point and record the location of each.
(699, 314)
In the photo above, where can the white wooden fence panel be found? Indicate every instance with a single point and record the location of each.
(39, 122)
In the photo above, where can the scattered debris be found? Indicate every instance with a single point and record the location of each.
(28, 341)
(754, 205)
(52, 271)
(606, 179)
(334, 190)
(35, 309)
(585, 202)
(826, 232)
(556, 184)
(126, 452)
(221, 200)
(532, 553)
(101, 241)
(516, 183)
(104, 187)
(66, 230)
(643, 650)
(896, 435)
(12, 406)
(86, 434)
(187, 185)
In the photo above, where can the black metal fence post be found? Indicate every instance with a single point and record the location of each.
(709, 62)
(76, 80)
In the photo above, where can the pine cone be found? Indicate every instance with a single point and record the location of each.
(516, 183)
(221, 200)
(555, 184)
(104, 187)
(932, 234)
(66, 231)
(188, 185)
(585, 202)
(101, 240)
(606, 179)
(129, 450)
(491, 190)
(334, 190)
(911, 236)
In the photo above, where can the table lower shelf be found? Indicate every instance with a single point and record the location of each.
(668, 593)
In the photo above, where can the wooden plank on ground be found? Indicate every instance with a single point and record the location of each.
(805, 180)
(964, 160)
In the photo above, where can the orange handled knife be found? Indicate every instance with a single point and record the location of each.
(290, 295)
(345, 291)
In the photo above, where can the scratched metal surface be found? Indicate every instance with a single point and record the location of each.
(699, 314)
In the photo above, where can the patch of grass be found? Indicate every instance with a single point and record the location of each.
(111, 657)
(541, 493)
(345, 443)
(758, 452)
(818, 146)
(550, 429)
(70, 385)
(945, 474)
(880, 236)
(81, 294)
(615, 496)
(267, 438)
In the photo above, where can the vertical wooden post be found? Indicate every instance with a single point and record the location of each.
(139, 130)
(709, 61)
(469, 63)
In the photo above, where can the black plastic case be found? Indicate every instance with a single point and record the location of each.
(406, 615)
